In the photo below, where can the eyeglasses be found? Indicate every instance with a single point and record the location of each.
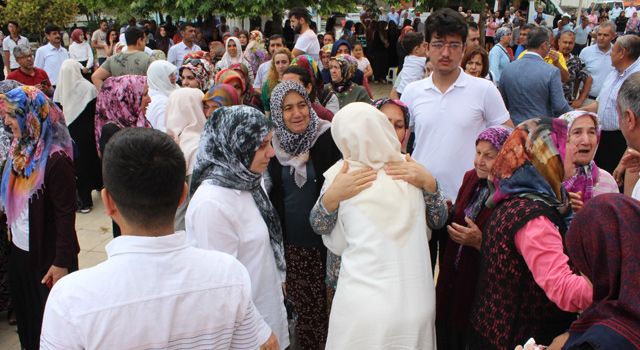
(439, 45)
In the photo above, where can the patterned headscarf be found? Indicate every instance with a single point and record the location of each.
(327, 48)
(606, 251)
(501, 32)
(307, 63)
(120, 102)
(227, 147)
(379, 103)
(348, 66)
(496, 136)
(76, 35)
(44, 132)
(530, 165)
(586, 176)
(243, 69)
(5, 132)
(293, 149)
(226, 76)
(202, 70)
(223, 95)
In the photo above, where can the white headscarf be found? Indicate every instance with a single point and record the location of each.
(158, 77)
(185, 121)
(227, 60)
(367, 139)
(160, 87)
(73, 91)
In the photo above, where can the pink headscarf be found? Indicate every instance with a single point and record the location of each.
(77, 35)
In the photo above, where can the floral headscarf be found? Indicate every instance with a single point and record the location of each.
(586, 176)
(226, 76)
(348, 66)
(120, 102)
(307, 63)
(223, 95)
(530, 165)
(293, 149)
(379, 103)
(44, 132)
(202, 70)
(227, 147)
(6, 136)
(327, 48)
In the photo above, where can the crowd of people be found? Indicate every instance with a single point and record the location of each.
(261, 198)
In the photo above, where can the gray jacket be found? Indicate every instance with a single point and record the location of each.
(532, 88)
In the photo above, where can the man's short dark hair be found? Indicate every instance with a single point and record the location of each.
(102, 21)
(445, 22)
(144, 171)
(536, 37)
(528, 26)
(50, 28)
(333, 35)
(184, 26)
(410, 41)
(300, 13)
(133, 34)
(276, 37)
(631, 43)
(473, 26)
(14, 23)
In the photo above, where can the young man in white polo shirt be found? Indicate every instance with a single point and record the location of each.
(450, 108)
(9, 43)
(155, 290)
(50, 57)
(176, 52)
(307, 43)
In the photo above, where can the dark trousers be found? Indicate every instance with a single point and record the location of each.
(611, 148)
(28, 296)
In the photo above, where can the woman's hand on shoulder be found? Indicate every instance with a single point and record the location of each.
(347, 185)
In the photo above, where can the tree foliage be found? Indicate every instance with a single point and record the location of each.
(34, 15)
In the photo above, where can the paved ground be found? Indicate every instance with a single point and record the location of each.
(94, 232)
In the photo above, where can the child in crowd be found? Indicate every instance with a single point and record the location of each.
(414, 64)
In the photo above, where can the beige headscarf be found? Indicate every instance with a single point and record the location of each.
(367, 139)
(185, 121)
(73, 91)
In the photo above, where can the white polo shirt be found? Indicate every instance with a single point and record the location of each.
(8, 44)
(598, 64)
(176, 53)
(308, 43)
(50, 60)
(154, 292)
(446, 125)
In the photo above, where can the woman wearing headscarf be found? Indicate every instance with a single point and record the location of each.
(392, 36)
(385, 295)
(233, 54)
(301, 76)
(525, 285)
(499, 56)
(279, 62)
(325, 56)
(459, 264)
(342, 68)
(81, 51)
(161, 78)
(236, 79)
(316, 90)
(163, 41)
(220, 95)
(602, 243)
(77, 96)
(38, 199)
(343, 47)
(249, 96)
(586, 180)
(5, 246)
(234, 151)
(380, 52)
(196, 73)
(304, 150)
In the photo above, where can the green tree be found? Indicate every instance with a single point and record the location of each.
(34, 15)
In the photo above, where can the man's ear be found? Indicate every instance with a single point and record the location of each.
(631, 120)
(185, 193)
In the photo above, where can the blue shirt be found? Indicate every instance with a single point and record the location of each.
(607, 111)
(598, 64)
(498, 59)
(582, 34)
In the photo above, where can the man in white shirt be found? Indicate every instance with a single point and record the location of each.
(631, 9)
(154, 290)
(50, 57)
(615, 12)
(178, 51)
(276, 41)
(628, 106)
(393, 16)
(307, 42)
(9, 43)
(450, 108)
(597, 58)
(99, 41)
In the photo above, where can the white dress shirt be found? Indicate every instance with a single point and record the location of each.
(228, 220)
(154, 292)
(50, 58)
(176, 53)
(81, 52)
(447, 124)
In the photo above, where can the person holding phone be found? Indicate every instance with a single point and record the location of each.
(28, 73)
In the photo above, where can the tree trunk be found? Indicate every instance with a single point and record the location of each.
(482, 20)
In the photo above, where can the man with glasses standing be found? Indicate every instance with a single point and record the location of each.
(450, 108)
(27, 73)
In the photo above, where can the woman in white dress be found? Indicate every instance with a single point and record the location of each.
(385, 298)
(230, 211)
